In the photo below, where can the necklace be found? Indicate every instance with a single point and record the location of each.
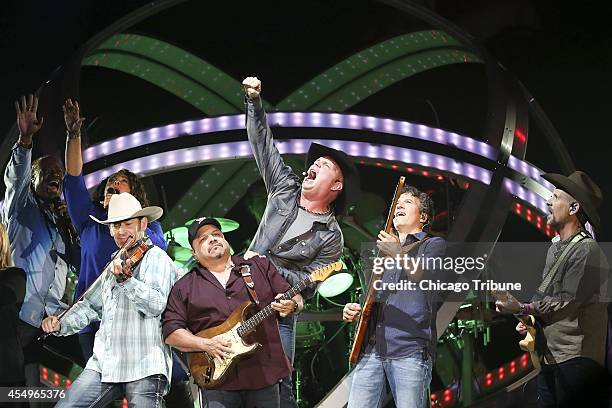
(314, 212)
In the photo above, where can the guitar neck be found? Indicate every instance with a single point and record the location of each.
(267, 311)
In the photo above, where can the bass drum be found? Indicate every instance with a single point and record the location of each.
(308, 334)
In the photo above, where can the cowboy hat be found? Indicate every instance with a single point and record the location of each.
(351, 187)
(580, 186)
(125, 206)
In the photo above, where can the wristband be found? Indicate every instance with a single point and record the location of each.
(73, 135)
(525, 309)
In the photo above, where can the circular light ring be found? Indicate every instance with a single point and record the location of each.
(188, 157)
(294, 119)
(313, 120)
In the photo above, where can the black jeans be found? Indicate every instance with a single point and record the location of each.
(86, 341)
(573, 383)
(263, 398)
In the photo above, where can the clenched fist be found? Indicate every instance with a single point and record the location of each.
(252, 87)
(51, 324)
(351, 312)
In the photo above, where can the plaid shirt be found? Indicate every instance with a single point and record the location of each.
(129, 345)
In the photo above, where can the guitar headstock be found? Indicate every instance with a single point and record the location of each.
(319, 275)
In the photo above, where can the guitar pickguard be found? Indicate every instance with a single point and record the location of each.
(239, 349)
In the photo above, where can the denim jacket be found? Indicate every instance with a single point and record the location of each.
(297, 257)
(36, 242)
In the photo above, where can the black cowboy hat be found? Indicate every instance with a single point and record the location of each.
(580, 186)
(351, 188)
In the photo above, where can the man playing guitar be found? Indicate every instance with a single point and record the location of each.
(401, 343)
(571, 302)
(207, 295)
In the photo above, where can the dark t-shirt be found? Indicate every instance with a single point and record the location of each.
(198, 301)
(12, 292)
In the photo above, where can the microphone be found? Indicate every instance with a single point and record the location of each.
(56, 202)
(304, 173)
(112, 190)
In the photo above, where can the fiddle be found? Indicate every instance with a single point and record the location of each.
(131, 257)
(130, 254)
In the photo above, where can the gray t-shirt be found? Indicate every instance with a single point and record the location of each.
(303, 223)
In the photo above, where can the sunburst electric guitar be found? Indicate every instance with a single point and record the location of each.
(209, 372)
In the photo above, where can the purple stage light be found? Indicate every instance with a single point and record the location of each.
(203, 154)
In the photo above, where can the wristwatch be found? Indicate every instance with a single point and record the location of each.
(295, 307)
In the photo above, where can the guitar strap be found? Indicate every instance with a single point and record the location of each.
(541, 342)
(245, 272)
(553, 270)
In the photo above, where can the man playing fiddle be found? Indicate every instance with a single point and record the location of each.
(129, 357)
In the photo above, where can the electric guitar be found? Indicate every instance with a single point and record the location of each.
(529, 343)
(209, 372)
(370, 295)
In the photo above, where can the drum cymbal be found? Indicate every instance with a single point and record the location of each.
(179, 235)
(179, 253)
(227, 225)
(335, 285)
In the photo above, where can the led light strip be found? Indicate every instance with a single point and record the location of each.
(313, 120)
(292, 119)
(174, 160)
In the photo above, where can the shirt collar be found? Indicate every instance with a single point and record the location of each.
(415, 237)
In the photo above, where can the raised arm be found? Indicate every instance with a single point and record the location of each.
(73, 120)
(18, 172)
(275, 173)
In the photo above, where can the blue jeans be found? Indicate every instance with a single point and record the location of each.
(263, 398)
(88, 391)
(408, 378)
(286, 327)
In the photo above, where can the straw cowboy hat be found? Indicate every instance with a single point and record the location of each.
(125, 206)
(580, 186)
